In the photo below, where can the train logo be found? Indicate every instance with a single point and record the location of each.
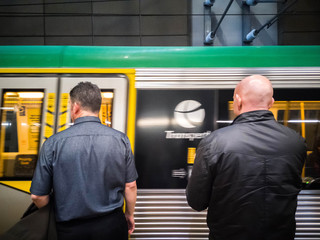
(189, 114)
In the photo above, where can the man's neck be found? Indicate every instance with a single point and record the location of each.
(253, 109)
(86, 114)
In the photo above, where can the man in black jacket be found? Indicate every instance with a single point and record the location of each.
(248, 174)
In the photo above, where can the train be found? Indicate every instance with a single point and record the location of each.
(166, 99)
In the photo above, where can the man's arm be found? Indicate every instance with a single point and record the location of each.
(130, 195)
(40, 201)
(200, 183)
(41, 185)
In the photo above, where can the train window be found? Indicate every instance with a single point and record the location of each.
(11, 133)
(105, 114)
(114, 100)
(304, 117)
(20, 132)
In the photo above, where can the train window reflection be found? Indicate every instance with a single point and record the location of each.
(21, 114)
(11, 134)
(304, 118)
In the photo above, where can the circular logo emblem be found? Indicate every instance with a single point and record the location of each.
(189, 114)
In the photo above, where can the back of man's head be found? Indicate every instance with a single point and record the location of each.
(253, 93)
(87, 95)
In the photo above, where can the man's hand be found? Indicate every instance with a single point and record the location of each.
(130, 222)
(40, 201)
(130, 195)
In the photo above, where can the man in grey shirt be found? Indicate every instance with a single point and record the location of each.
(90, 169)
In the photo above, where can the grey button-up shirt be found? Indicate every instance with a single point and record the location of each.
(87, 167)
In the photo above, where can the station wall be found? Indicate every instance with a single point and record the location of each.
(154, 22)
(96, 22)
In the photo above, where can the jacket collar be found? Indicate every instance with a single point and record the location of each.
(87, 119)
(254, 116)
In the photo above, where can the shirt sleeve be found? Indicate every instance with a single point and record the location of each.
(131, 172)
(42, 179)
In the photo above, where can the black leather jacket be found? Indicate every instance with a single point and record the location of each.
(248, 175)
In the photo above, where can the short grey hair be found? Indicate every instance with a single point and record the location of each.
(88, 95)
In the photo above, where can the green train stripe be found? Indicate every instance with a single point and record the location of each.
(135, 57)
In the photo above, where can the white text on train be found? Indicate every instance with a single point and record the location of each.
(190, 136)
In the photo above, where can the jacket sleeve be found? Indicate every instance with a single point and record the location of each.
(200, 183)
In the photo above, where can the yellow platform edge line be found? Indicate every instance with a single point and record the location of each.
(19, 185)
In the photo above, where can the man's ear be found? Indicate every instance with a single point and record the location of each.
(238, 102)
(76, 107)
(271, 104)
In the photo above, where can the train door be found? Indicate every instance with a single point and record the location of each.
(27, 116)
(27, 119)
(114, 100)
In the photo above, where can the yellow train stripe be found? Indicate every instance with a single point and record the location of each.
(131, 108)
(67, 70)
(63, 111)
(48, 129)
(303, 133)
(20, 185)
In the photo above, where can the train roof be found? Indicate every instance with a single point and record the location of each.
(154, 57)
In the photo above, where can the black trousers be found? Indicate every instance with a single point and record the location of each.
(108, 227)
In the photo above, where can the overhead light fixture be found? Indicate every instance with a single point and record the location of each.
(210, 36)
(251, 36)
(250, 2)
(11, 94)
(107, 94)
(209, 39)
(7, 108)
(31, 94)
(255, 2)
(208, 3)
(254, 33)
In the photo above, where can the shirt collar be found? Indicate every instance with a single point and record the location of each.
(254, 116)
(87, 119)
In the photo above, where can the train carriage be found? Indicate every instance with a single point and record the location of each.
(166, 99)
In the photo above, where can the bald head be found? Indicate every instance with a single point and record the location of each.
(253, 93)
